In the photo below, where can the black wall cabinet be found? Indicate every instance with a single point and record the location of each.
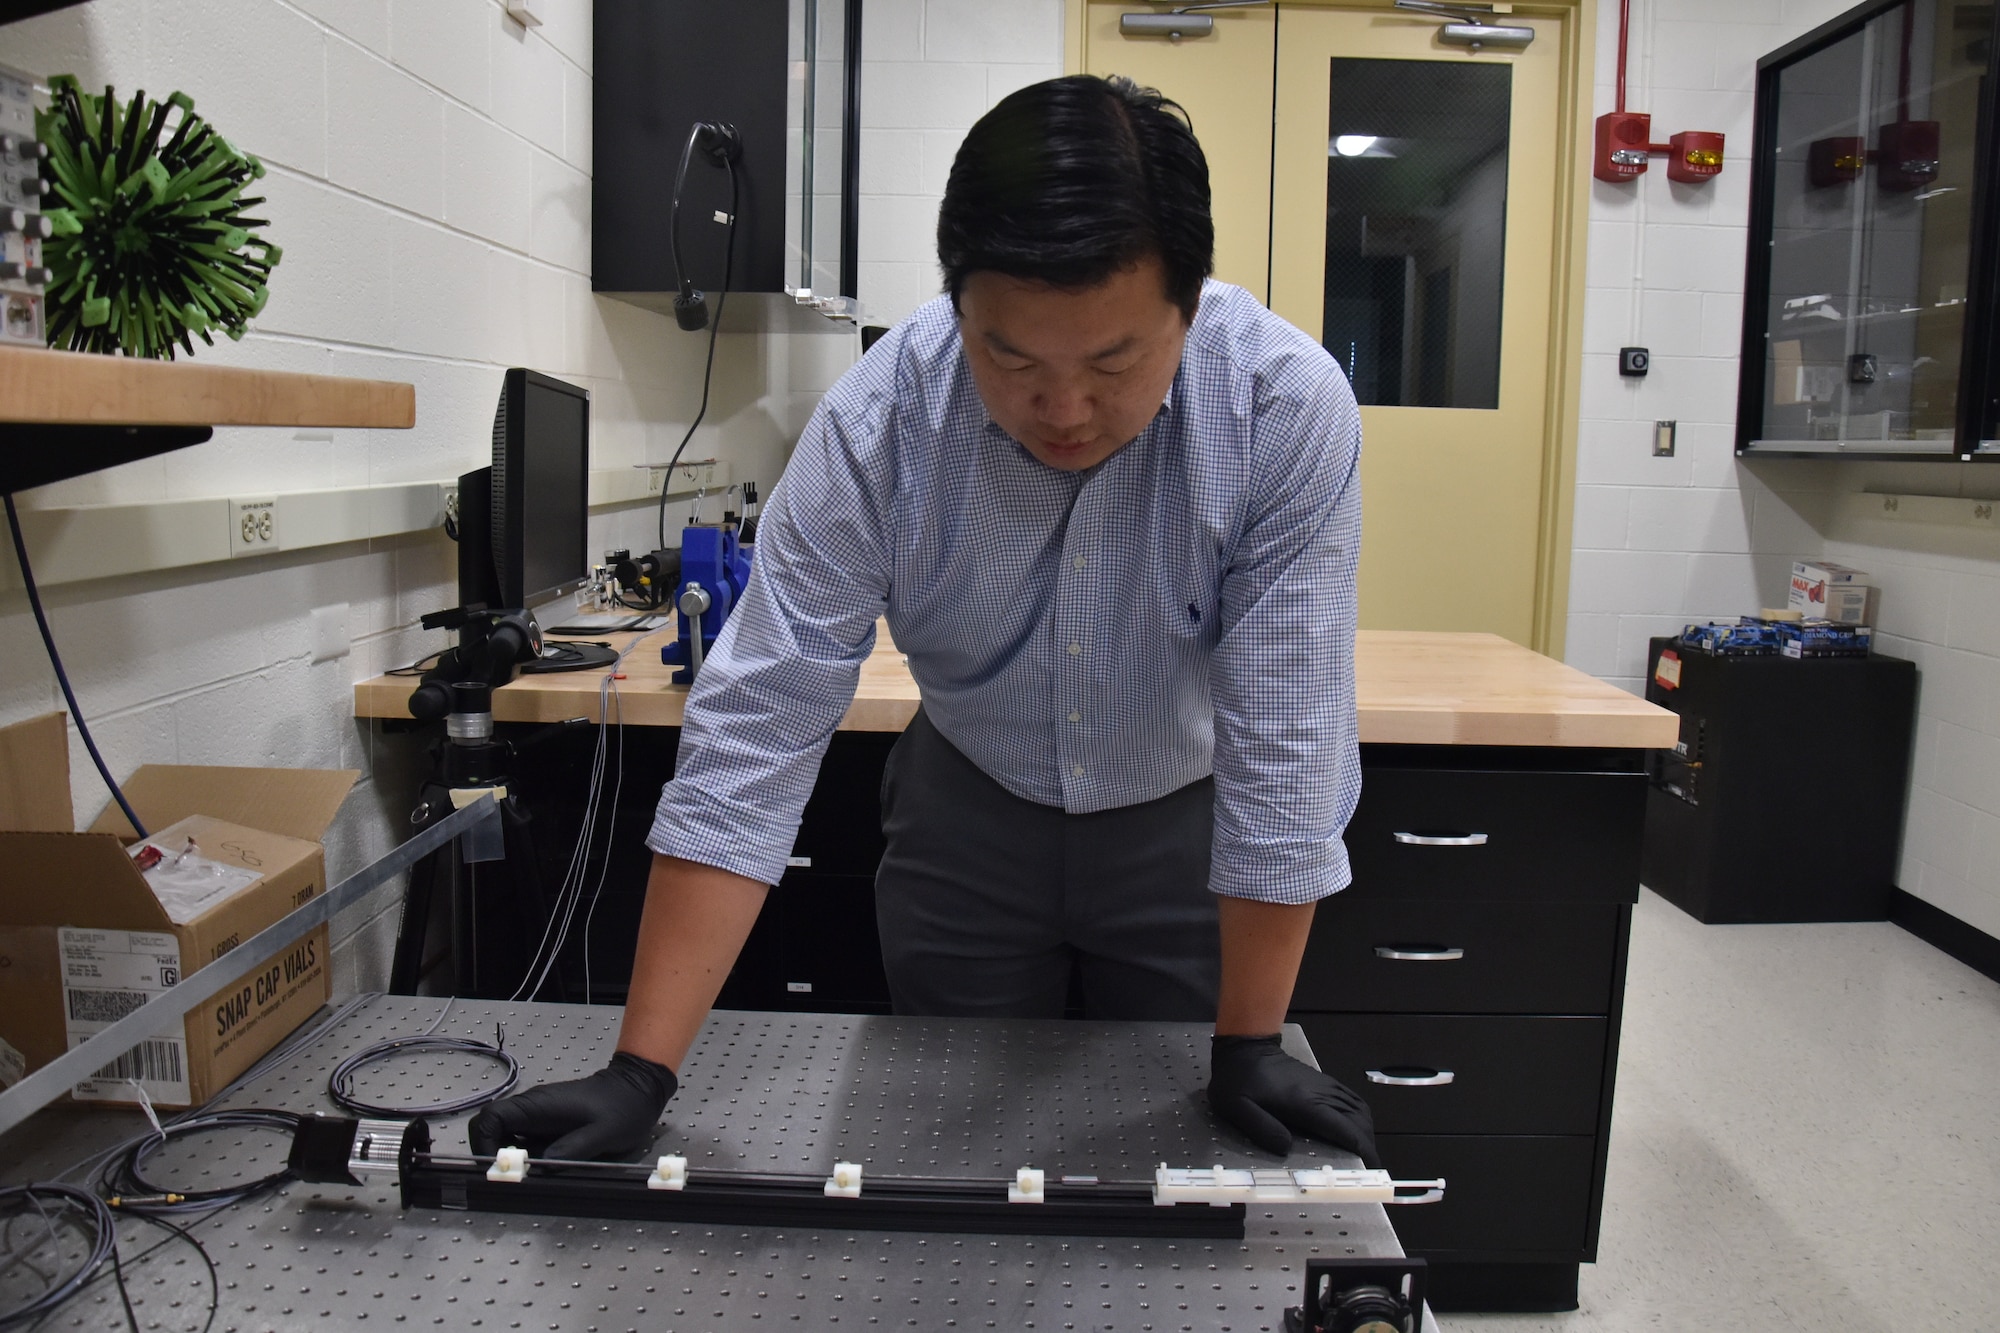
(786, 73)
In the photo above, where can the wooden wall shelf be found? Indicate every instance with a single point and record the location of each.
(77, 388)
(64, 414)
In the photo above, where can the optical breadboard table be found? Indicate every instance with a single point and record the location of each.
(761, 1092)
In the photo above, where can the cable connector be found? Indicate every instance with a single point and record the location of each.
(144, 1200)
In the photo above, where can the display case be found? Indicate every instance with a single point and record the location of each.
(1867, 328)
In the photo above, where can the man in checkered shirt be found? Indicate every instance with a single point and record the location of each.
(1110, 510)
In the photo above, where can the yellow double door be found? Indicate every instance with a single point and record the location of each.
(1417, 207)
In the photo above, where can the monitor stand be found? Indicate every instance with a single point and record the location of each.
(570, 657)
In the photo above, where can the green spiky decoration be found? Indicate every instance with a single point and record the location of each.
(150, 242)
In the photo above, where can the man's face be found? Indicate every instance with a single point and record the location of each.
(1074, 375)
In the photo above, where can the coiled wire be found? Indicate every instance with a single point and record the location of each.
(103, 1241)
(124, 1180)
(341, 1085)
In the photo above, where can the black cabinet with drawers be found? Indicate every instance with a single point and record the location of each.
(1469, 984)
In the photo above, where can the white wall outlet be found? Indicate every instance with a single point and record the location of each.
(329, 632)
(451, 505)
(253, 526)
(656, 477)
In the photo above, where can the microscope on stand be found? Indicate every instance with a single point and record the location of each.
(471, 765)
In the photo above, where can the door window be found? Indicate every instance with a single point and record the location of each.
(1416, 224)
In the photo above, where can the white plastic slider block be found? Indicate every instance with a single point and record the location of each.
(1027, 1187)
(670, 1174)
(510, 1166)
(845, 1182)
(1222, 1186)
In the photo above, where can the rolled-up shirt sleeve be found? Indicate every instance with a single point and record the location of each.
(784, 669)
(1287, 766)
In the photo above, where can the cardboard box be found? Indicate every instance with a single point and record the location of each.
(85, 939)
(1825, 591)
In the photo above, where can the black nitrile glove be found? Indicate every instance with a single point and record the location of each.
(1270, 1096)
(609, 1114)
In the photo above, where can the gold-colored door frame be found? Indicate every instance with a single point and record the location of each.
(1572, 217)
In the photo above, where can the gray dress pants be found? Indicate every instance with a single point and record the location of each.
(985, 901)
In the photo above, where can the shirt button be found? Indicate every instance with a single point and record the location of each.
(1077, 771)
(1075, 648)
(1076, 717)
(1079, 562)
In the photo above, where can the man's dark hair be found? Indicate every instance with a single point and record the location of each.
(1069, 181)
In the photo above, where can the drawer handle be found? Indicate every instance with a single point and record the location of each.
(1406, 1077)
(1420, 953)
(1442, 839)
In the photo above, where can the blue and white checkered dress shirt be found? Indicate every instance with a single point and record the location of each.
(1089, 639)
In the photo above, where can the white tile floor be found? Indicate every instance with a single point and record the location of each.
(1807, 1137)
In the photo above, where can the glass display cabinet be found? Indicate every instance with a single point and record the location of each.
(1868, 329)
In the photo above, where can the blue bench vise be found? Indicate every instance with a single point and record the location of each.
(715, 569)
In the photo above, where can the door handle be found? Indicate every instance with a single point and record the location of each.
(1402, 1076)
(1420, 953)
(1442, 839)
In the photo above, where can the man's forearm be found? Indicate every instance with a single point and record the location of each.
(694, 925)
(1262, 944)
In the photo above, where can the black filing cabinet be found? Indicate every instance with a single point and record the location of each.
(1469, 984)
(1783, 800)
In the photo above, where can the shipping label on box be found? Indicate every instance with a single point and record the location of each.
(13, 1066)
(106, 975)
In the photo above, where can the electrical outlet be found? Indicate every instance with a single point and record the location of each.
(656, 479)
(253, 526)
(451, 505)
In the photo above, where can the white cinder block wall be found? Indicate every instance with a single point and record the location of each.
(429, 181)
(930, 68)
(1661, 541)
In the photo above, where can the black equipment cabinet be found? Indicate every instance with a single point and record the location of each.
(1470, 985)
(1783, 800)
(814, 948)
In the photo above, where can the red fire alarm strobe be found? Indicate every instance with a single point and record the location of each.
(1623, 150)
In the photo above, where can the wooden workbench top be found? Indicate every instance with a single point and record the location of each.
(1414, 689)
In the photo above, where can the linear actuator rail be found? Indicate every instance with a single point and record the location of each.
(1204, 1202)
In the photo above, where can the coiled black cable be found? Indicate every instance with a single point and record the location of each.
(124, 1184)
(341, 1085)
(103, 1240)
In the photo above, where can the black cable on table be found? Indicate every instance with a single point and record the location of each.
(125, 1186)
(103, 1242)
(341, 1085)
(208, 1261)
(55, 660)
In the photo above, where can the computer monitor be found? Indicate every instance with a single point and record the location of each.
(529, 511)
